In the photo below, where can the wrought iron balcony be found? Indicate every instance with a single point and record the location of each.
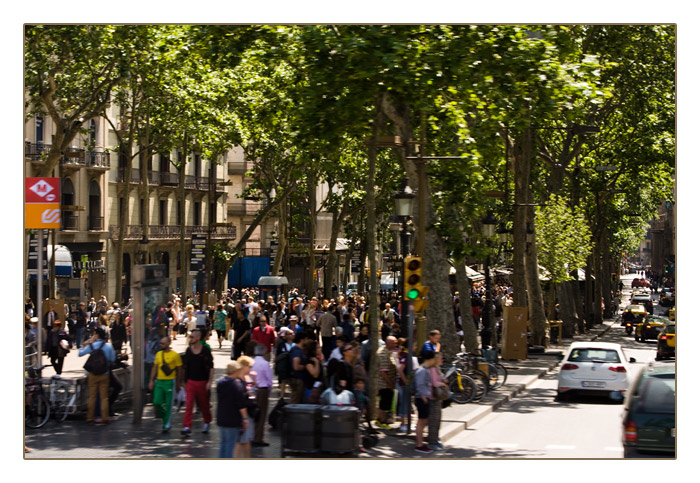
(134, 178)
(97, 160)
(172, 232)
(96, 223)
(169, 179)
(69, 221)
(36, 151)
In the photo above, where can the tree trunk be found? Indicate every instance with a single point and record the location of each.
(312, 281)
(471, 343)
(332, 265)
(436, 266)
(184, 254)
(538, 321)
(373, 289)
(522, 152)
(281, 237)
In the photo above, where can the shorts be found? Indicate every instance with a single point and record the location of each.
(221, 333)
(386, 398)
(248, 435)
(422, 407)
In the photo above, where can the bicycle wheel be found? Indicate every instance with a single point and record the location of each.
(482, 384)
(61, 399)
(466, 392)
(497, 375)
(36, 411)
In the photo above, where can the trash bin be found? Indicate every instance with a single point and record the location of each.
(300, 428)
(340, 429)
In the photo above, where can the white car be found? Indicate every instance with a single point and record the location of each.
(594, 368)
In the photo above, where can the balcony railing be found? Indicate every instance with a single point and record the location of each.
(154, 178)
(34, 151)
(169, 179)
(244, 207)
(134, 178)
(96, 223)
(172, 232)
(69, 221)
(97, 160)
(237, 167)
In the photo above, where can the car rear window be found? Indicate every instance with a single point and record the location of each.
(670, 329)
(659, 395)
(590, 355)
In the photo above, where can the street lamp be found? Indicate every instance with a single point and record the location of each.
(403, 204)
(488, 228)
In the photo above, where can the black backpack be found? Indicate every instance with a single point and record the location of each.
(97, 362)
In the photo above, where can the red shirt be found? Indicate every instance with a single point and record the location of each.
(266, 337)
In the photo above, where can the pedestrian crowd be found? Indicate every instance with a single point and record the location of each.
(314, 350)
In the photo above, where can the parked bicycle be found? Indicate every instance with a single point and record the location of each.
(59, 400)
(464, 367)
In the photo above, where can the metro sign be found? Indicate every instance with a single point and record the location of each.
(42, 207)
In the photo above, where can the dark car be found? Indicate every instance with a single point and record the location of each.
(649, 421)
(668, 297)
(666, 343)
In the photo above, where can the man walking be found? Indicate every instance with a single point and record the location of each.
(328, 323)
(387, 380)
(165, 380)
(81, 319)
(57, 343)
(263, 382)
(198, 368)
(265, 335)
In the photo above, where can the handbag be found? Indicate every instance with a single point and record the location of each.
(167, 370)
(441, 393)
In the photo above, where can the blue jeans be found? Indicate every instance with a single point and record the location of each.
(79, 336)
(229, 437)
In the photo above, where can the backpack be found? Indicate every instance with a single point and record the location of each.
(97, 362)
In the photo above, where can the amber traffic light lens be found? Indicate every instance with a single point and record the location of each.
(413, 265)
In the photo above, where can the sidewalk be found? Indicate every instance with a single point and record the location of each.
(123, 439)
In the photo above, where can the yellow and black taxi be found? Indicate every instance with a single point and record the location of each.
(649, 420)
(666, 342)
(650, 327)
(672, 313)
(633, 315)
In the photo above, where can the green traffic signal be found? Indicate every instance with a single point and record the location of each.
(412, 294)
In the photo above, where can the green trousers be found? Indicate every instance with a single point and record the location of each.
(163, 390)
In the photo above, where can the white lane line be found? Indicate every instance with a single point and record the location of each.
(502, 445)
(560, 446)
(614, 448)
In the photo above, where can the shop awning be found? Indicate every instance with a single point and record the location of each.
(64, 260)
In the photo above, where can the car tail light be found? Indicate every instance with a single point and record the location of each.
(631, 432)
(617, 368)
(629, 324)
(569, 367)
(663, 337)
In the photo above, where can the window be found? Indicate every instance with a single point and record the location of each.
(121, 207)
(39, 126)
(163, 212)
(197, 215)
(142, 211)
(212, 213)
(178, 213)
(92, 134)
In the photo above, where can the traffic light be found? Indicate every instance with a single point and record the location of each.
(412, 278)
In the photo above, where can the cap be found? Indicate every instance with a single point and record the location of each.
(286, 330)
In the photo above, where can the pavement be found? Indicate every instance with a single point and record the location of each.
(125, 439)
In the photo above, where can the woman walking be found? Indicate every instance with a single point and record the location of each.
(232, 409)
(424, 398)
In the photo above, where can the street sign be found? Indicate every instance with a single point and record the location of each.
(197, 253)
(42, 203)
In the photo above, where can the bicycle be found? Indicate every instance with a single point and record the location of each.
(465, 365)
(497, 372)
(37, 408)
(462, 387)
(61, 398)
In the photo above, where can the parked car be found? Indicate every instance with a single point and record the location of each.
(672, 313)
(668, 297)
(593, 368)
(649, 420)
(666, 342)
(643, 299)
(650, 327)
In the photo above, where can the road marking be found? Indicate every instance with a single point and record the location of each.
(614, 448)
(502, 445)
(559, 446)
